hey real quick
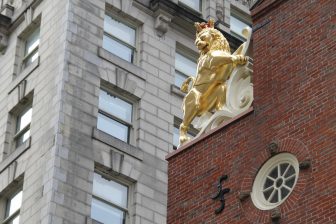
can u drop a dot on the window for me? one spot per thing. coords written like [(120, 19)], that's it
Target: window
[(115, 116), (31, 47), (110, 201), (13, 205), (237, 25), (275, 181), (194, 4), (23, 126), (184, 67), (119, 38)]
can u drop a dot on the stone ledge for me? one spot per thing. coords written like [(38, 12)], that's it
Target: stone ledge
[(15, 154), (24, 74), (121, 63), (205, 135), (117, 144)]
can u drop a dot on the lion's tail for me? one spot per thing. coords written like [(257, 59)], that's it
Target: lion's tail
[(185, 85)]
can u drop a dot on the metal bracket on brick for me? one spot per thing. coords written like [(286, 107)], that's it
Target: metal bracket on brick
[(220, 194)]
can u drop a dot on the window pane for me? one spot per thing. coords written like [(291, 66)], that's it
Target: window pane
[(110, 190), (22, 138), (16, 220), (176, 136), (105, 213), (119, 30), (185, 65), (115, 106), (117, 48), (112, 127), (14, 203), (275, 197), (32, 41), (24, 119), (268, 183), (237, 25), (31, 58), (274, 173), (290, 172), (195, 4)]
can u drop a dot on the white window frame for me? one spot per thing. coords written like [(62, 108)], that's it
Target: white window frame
[(9, 218), (28, 55), (130, 189), (258, 189), (188, 54), (130, 125), (19, 133), (128, 23)]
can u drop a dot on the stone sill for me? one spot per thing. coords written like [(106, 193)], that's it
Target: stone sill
[(15, 154), (121, 63), (24, 74), (205, 135), (117, 144)]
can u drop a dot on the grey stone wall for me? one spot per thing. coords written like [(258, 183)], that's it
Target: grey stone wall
[(65, 147)]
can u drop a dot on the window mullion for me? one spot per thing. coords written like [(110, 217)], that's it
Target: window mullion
[(119, 40), (111, 203), (11, 217), (22, 131), (111, 116), (31, 53)]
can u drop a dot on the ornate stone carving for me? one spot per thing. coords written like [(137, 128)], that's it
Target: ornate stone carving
[(161, 24), (222, 88)]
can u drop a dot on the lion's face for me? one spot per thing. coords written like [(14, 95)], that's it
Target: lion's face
[(203, 41), (211, 39)]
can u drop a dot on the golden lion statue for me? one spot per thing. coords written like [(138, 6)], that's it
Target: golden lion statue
[(208, 89)]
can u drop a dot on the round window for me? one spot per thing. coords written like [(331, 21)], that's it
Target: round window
[(275, 181)]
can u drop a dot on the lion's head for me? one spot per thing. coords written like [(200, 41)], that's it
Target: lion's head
[(209, 38)]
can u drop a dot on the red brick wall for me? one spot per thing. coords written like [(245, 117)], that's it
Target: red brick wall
[(295, 104)]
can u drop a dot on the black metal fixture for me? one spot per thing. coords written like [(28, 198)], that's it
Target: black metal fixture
[(220, 194)]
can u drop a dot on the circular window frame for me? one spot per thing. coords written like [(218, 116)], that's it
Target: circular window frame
[(257, 194)]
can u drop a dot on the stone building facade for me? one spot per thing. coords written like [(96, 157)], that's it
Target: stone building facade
[(276, 162), (89, 104)]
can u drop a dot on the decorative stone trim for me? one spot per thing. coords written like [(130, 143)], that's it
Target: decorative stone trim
[(15, 154), (125, 65), (161, 24), (24, 75), (118, 145)]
